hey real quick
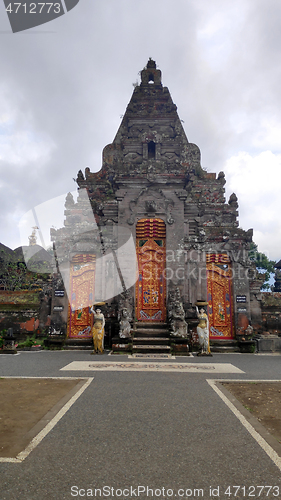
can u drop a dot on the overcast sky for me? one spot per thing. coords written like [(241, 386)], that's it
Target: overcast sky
[(65, 85)]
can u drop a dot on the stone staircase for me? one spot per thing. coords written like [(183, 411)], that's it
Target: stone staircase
[(78, 345), (151, 338), (224, 345)]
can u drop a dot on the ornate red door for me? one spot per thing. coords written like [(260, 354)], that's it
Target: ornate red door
[(219, 289), (151, 284), (82, 283)]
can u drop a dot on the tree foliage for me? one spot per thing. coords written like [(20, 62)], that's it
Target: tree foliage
[(263, 265), (16, 276)]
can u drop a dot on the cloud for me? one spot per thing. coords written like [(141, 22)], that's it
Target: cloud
[(62, 93), (23, 147), (255, 180)]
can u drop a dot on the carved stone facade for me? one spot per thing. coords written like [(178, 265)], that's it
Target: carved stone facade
[(152, 172)]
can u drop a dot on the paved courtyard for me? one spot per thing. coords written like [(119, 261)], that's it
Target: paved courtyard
[(143, 429)]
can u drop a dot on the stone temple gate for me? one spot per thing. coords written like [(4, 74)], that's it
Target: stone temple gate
[(152, 231)]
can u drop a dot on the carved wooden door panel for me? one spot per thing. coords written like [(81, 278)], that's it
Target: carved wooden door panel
[(220, 302), (151, 284), (81, 298)]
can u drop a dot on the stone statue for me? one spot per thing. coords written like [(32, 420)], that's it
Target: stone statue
[(125, 312), (176, 314), (249, 330), (203, 331), (98, 330), (178, 323), (32, 238), (124, 323)]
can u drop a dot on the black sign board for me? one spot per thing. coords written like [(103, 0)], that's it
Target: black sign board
[(241, 299), (59, 293), (58, 308)]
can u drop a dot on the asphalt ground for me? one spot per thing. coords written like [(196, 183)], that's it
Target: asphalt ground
[(169, 432)]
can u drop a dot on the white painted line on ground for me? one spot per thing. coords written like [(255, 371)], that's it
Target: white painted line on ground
[(13, 460), (152, 367), (45, 378), (258, 438), (37, 439)]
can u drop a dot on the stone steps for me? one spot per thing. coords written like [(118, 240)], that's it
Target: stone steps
[(224, 349), (224, 346), (150, 348), (150, 324), (151, 338), (151, 330), (78, 345), (151, 333)]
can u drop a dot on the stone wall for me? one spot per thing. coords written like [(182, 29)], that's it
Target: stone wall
[(271, 313), (26, 311), (269, 335)]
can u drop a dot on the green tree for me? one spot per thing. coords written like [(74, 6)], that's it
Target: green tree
[(16, 276), (263, 265)]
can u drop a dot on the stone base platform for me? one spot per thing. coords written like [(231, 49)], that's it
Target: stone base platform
[(224, 345), (269, 343)]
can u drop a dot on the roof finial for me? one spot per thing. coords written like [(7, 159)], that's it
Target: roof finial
[(151, 75), (151, 63), (32, 238)]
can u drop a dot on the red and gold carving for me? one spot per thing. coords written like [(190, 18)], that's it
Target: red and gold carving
[(151, 284), (81, 298), (219, 289), (218, 258), (151, 228)]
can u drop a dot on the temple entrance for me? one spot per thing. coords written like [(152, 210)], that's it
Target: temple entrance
[(151, 284), (81, 297), (219, 290)]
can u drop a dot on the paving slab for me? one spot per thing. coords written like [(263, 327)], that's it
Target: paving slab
[(152, 367), (169, 432)]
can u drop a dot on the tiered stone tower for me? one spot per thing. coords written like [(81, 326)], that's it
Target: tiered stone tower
[(153, 191)]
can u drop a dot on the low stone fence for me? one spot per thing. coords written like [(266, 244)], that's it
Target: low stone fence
[(23, 311), (271, 312), (270, 339)]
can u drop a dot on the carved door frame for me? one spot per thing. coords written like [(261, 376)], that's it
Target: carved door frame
[(81, 297), (151, 282), (220, 296)]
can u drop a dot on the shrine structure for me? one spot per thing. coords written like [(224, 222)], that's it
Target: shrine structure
[(151, 234)]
